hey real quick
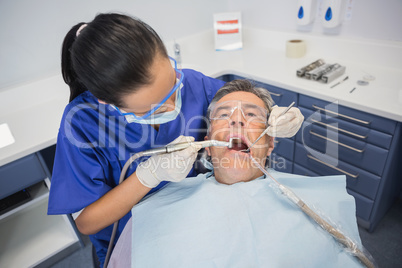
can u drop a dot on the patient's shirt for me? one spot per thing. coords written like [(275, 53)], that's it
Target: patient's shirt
[(202, 223)]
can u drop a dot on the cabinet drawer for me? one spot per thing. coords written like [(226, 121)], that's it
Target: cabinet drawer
[(357, 153), (284, 147), (280, 163), (299, 170), (363, 204), (348, 114), (349, 129), (357, 179), (227, 77), (280, 96), (20, 174)]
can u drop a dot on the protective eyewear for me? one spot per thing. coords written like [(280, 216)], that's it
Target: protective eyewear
[(179, 81), (251, 113)]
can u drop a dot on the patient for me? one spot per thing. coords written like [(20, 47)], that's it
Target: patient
[(231, 216)]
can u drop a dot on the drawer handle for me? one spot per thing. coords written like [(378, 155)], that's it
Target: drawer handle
[(333, 167), (340, 129), (275, 94), (339, 143), (342, 115)]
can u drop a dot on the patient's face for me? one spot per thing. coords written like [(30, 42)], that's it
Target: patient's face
[(233, 165)]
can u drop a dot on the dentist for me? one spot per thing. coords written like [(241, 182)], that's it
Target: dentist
[(127, 95)]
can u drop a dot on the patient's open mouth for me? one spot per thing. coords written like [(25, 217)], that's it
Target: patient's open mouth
[(238, 143)]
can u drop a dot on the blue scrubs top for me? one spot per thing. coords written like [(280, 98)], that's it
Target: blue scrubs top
[(94, 142)]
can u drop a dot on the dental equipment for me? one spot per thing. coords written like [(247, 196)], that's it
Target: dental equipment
[(266, 130), (333, 72), (335, 233), (301, 72), (340, 82), (316, 73), (165, 149), (180, 146)]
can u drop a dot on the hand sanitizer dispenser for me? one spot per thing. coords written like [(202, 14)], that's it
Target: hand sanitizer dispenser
[(333, 13), (306, 11)]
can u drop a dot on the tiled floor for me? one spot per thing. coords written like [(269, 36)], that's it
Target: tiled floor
[(384, 244)]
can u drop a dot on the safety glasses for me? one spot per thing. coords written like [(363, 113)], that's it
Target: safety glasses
[(251, 112), (179, 81)]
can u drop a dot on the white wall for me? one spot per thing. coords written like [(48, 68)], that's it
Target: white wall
[(371, 19), (31, 32)]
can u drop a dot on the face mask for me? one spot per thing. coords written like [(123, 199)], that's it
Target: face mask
[(157, 119)]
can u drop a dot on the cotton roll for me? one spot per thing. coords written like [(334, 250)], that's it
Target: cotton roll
[(295, 48)]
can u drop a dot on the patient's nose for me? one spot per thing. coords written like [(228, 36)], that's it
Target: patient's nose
[(237, 118), (234, 123)]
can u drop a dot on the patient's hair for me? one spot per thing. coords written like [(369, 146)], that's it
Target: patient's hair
[(242, 85)]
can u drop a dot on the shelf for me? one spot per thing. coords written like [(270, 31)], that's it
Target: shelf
[(29, 236), (38, 192)]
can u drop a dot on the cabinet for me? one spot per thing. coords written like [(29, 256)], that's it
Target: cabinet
[(364, 147), (29, 237), (338, 140)]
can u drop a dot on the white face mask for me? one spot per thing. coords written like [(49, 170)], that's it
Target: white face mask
[(157, 119)]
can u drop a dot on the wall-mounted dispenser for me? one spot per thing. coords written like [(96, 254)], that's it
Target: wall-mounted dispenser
[(306, 11), (333, 13)]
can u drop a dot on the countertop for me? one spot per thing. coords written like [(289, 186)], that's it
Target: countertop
[(33, 110)]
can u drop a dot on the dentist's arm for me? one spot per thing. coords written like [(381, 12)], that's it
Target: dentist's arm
[(119, 201), (112, 206)]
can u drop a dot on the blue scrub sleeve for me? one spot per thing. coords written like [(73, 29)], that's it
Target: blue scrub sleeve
[(202, 84), (214, 86), (78, 178)]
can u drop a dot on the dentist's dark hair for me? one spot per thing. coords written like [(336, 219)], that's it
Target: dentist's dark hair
[(111, 57)]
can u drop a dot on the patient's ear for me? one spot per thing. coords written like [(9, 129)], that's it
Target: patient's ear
[(207, 148), (271, 145)]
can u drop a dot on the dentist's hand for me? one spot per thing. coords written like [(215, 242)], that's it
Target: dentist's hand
[(284, 126), (168, 167)]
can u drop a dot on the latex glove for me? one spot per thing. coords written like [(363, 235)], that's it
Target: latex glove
[(284, 126), (168, 167)]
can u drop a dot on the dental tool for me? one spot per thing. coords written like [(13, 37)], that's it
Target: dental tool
[(165, 149), (173, 148), (266, 130), (183, 145), (365, 259), (340, 82)]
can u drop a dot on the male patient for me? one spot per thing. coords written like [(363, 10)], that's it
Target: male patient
[(232, 217)]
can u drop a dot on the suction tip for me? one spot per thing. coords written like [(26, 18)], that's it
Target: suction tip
[(231, 142)]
